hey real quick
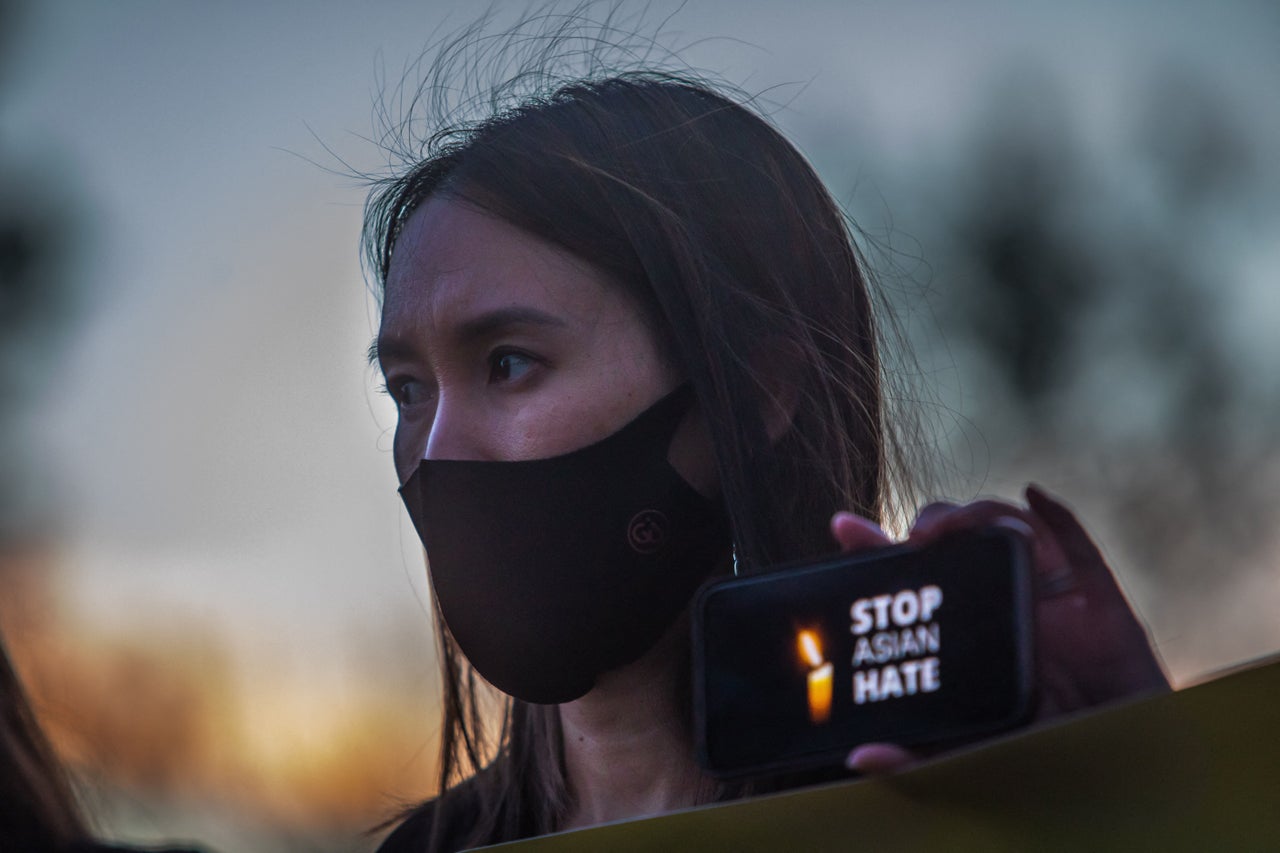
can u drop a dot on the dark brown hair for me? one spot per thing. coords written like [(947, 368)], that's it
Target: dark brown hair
[(748, 274), (38, 810)]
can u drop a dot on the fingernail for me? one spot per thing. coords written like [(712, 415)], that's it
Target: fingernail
[(856, 758), (1017, 525), (861, 521), (877, 758)]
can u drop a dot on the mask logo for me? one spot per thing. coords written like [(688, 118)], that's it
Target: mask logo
[(647, 531), (820, 673)]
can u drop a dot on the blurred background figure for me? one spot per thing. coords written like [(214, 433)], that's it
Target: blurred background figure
[(38, 810), (206, 581)]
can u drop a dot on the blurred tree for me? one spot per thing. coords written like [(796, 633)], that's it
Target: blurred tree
[(40, 240), (1090, 283)]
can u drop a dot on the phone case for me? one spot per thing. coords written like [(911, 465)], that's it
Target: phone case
[(794, 666)]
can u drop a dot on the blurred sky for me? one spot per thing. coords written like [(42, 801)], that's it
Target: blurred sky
[(220, 458)]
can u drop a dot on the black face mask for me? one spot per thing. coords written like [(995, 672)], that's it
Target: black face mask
[(550, 572)]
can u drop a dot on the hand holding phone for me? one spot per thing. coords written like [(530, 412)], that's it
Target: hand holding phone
[(909, 645), (1091, 648)]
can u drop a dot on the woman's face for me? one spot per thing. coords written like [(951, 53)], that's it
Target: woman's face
[(498, 346)]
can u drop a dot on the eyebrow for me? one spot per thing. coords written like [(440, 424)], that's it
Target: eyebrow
[(474, 328)]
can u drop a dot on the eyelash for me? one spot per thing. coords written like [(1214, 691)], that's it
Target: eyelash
[(394, 388)]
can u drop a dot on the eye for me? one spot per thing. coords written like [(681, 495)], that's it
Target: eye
[(407, 393), (508, 365)]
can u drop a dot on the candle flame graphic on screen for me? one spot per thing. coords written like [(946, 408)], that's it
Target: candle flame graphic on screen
[(819, 676), (810, 649)]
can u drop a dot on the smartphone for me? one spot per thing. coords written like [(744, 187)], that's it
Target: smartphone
[(909, 645)]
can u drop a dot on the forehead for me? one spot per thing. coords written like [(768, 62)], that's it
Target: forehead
[(452, 260)]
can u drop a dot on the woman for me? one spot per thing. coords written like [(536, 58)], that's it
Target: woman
[(630, 305)]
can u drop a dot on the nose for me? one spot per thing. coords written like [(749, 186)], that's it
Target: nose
[(444, 433), (450, 436)]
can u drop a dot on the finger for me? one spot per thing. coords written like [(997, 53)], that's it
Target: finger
[(930, 515), (874, 759), (1063, 522), (1086, 561), (1133, 665), (1053, 576), (855, 533), (1072, 546), (948, 518), (1017, 525)]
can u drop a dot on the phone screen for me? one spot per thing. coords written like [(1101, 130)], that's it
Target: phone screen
[(795, 666)]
